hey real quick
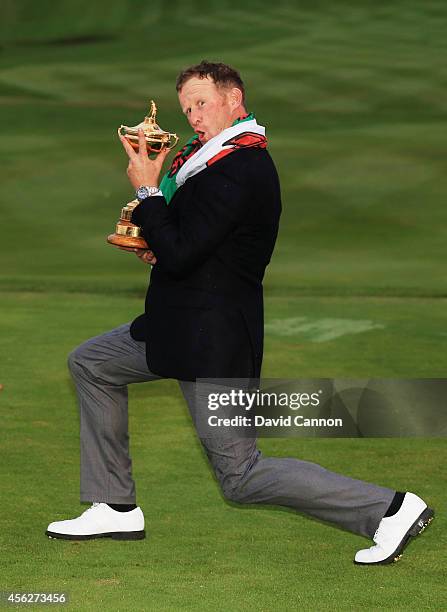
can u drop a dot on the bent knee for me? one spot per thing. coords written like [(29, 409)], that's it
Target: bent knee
[(235, 477), (233, 489), (235, 493)]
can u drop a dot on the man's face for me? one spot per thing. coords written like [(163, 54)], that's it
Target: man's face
[(207, 108)]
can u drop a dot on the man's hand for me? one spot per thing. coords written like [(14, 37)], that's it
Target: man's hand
[(145, 255), (141, 169)]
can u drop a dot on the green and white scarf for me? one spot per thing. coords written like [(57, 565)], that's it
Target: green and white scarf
[(195, 157)]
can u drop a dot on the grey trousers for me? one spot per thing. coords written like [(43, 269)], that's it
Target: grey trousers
[(102, 368)]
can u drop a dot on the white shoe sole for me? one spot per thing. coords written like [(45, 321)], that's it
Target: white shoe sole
[(115, 535), (420, 524)]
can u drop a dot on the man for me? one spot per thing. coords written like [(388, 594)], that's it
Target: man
[(211, 227)]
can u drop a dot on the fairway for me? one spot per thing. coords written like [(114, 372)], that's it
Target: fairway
[(353, 99)]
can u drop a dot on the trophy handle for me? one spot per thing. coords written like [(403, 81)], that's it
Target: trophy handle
[(175, 138)]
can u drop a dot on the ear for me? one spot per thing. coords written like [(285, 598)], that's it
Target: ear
[(235, 97)]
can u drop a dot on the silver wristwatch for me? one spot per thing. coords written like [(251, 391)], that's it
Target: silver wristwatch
[(144, 192)]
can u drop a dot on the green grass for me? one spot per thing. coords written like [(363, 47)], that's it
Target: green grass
[(203, 552), (352, 94)]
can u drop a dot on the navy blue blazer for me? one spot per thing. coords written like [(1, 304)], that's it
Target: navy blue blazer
[(204, 305)]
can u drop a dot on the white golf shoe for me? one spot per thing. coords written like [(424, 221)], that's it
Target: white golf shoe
[(100, 521), (395, 531)]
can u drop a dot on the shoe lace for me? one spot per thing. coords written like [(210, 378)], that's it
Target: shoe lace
[(382, 533)]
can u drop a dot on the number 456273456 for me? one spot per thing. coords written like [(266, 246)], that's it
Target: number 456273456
[(25, 598)]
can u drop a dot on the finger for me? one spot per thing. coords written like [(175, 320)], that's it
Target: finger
[(142, 143), (143, 259), (163, 155), (127, 147), (149, 257), (158, 161)]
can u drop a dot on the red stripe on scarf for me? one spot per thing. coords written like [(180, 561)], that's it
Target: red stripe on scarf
[(244, 140)]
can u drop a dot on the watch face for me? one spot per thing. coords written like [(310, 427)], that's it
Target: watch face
[(142, 193)]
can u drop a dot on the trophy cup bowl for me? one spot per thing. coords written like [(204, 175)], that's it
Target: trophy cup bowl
[(127, 235)]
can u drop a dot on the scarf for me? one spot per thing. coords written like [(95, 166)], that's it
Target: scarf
[(195, 157)]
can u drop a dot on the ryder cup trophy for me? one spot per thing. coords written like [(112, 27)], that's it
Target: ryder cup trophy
[(126, 233)]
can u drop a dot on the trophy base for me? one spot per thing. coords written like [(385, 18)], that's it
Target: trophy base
[(127, 235), (130, 242)]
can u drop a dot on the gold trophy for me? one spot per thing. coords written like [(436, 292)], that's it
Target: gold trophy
[(126, 233)]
